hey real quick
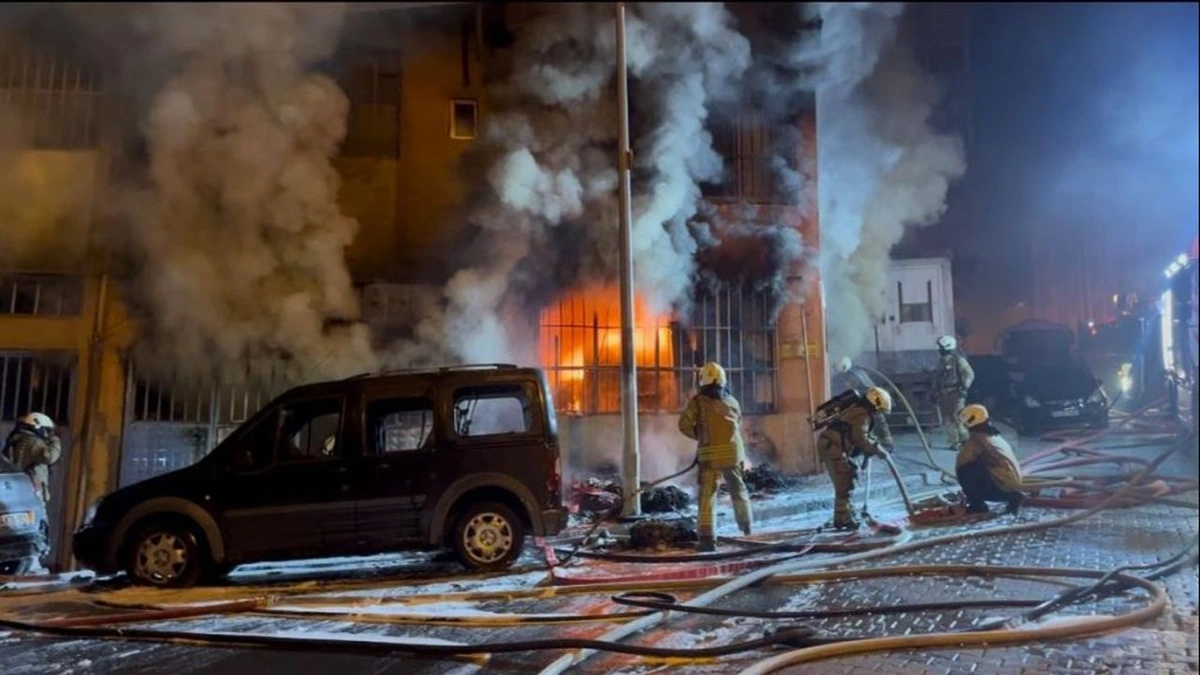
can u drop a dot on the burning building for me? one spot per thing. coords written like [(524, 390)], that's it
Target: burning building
[(247, 198)]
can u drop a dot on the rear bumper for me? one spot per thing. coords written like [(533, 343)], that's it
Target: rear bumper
[(553, 521), (21, 546)]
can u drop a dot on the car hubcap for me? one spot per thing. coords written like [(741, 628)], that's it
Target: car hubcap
[(162, 557), (488, 537)]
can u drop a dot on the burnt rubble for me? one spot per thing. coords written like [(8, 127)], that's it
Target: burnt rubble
[(765, 479), (601, 496), (660, 534)]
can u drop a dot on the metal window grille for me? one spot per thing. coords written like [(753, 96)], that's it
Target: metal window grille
[(29, 384), (58, 100), (372, 83), (40, 295), (168, 429), (751, 149), (581, 352)]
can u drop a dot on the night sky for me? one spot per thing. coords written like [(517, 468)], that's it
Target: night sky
[(1082, 170)]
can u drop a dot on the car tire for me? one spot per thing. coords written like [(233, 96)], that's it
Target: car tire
[(166, 554), (488, 536)]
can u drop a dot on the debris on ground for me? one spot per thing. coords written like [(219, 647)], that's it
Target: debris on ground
[(661, 534), (766, 479), (594, 496), (665, 499)]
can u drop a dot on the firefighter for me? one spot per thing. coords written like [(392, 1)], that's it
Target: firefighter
[(34, 448), (951, 382), (986, 467), (860, 431), (846, 376), (713, 419)]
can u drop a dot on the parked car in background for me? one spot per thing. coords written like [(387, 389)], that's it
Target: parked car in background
[(1037, 383), (24, 527), (463, 458)]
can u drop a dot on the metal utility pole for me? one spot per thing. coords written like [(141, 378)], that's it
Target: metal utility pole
[(631, 455)]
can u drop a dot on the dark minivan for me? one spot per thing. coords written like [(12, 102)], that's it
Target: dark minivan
[(465, 458)]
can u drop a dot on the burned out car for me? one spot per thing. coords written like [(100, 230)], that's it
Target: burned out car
[(463, 458), (1038, 383), (24, 528)]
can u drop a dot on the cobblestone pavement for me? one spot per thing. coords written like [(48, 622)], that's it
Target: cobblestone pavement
[(1167, 646)]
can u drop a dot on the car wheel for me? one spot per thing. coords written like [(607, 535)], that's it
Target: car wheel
[(488, 536), (166, 555)]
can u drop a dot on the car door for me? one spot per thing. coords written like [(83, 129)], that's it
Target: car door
[(396, 467), (287, 492)]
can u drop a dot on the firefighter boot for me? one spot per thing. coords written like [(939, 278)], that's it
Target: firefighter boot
[(706, 545)]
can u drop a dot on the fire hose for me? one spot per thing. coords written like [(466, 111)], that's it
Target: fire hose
[(739, 583), (600, 518), (933, 464)]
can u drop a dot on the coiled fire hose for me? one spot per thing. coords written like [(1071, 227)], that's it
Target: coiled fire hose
[(562, 664)]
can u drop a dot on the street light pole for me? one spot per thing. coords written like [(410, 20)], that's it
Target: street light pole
[(631, 455)]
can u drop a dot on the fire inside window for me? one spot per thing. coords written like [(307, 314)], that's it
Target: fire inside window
[(580, 348)]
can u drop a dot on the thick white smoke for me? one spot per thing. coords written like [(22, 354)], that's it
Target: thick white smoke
[(239, 237), (883, 168), (550, 213)]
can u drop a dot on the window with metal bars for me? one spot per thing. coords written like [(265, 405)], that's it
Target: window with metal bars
[(224, 406), (372, 83), (580, 349), (55, 99), (755, 155), (30, 384), (40, 295)]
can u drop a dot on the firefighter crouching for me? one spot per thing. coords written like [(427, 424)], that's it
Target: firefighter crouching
[(986, 467), (859, 431), (34, 447), (951, 382), (713, 419)]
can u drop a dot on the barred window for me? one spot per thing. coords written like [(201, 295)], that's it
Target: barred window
[(734, 326), (580, 348), (30, 384), (40, 295), (372, 83), (168, 428), (753, 151), (55, 99)]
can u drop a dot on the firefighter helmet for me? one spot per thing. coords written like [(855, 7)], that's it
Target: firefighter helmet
[(844, 365), (947, 343), (712, 373), (880, 399), (973, 415), (38, 421)]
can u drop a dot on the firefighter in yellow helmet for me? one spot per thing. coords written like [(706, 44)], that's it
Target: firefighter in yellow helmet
[(713, 419), (951, 381), (861, 431), (986, 467), (34, 448)]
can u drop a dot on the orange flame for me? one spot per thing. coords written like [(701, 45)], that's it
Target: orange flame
[(580, 346)]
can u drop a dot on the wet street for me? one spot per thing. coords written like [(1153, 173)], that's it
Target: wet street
[(352, 617)]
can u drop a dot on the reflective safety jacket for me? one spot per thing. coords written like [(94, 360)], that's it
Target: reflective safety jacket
[(858, 431), (996, 454), (713, 419), (954, 374)]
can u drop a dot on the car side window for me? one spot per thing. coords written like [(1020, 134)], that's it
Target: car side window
[(255, 449), (310, 431), (399, 424), (492, 410)]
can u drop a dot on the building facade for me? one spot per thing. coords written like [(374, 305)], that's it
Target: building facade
[(66, 338)]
